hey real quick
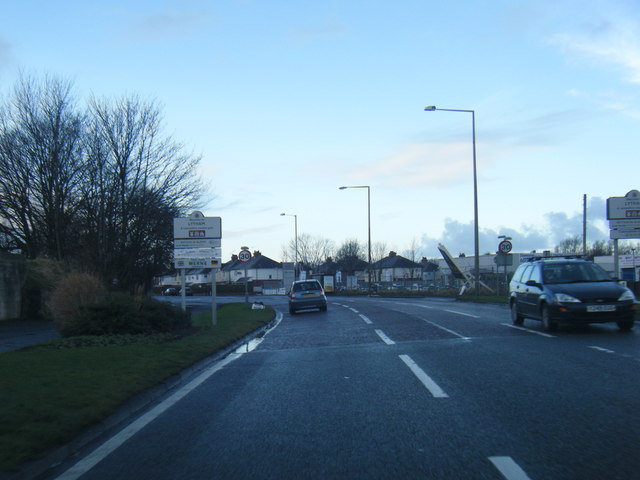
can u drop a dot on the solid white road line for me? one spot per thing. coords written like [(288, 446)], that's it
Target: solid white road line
[(542, 334), (432, 386), (366, 319), (509, 469), (99, 454), (463, 313), (88, 462), (446, 329), (384, 338), (600, 349)]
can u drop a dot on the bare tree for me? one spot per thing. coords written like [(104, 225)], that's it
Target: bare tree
[(412, 254), (100, 187), (379, 250), (41, 167), (312, 250), (141, 181), (570, 245), (350, 256)]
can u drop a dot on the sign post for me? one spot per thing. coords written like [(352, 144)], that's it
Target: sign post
[(504, 247), (623, 214), (197, 241), (244, 256)]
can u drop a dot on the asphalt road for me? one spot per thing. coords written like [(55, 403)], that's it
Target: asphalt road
[(397, 389)]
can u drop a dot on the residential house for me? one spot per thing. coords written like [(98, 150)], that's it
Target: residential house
[(396, 268), (261, 271)]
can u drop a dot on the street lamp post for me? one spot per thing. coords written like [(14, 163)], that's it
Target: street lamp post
[(369, 224), (432, 108), (295, 266)]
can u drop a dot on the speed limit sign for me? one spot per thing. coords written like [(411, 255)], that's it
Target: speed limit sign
[(505, 246), (244, 256)]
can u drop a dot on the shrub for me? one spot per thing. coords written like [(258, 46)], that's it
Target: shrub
[(76, 291), (121, 314), (43, 275)]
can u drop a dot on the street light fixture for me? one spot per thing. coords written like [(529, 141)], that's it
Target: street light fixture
[(295, 217), (369, 224), (476, 241)]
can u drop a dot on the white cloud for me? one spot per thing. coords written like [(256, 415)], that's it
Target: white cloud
[(459, 237), (419, 165), (613, 42)]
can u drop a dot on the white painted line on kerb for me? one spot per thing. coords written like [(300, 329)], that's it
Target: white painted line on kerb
[(463, 313), (600, 349), (509, 469), (384, 338), (446, 329), (366, 319), (542, 334), (432, 386)]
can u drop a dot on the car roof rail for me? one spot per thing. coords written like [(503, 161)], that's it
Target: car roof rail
[(578, 256)]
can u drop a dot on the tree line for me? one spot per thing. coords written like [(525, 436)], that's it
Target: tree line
[(96, 186)]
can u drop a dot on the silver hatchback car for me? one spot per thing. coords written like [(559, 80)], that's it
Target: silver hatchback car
[(307, 294)]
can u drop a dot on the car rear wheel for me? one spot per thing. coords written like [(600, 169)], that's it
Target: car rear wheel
[(516, 318), (292, 311), (625, 325), (548, 324)]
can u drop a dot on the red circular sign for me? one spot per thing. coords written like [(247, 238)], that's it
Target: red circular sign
[(244, 256), (505, 246)]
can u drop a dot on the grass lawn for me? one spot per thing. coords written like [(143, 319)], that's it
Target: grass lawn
[(49, 393)]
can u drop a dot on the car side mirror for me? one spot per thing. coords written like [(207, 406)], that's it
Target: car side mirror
[(532, 283)]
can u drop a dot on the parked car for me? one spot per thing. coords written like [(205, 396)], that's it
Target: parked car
[(171, 291), (572, 290), (307, 294), (187, 290)]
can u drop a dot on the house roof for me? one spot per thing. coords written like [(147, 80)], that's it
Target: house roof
[(395, 261), (329, 267), (257, 261)]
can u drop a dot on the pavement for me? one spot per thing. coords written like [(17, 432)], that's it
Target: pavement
[(15, 334)]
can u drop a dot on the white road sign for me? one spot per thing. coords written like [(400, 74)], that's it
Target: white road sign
[(197, 243), (197, 228), (197, 253), (625, 234), (622, 224), (197, 263), (627, 207)]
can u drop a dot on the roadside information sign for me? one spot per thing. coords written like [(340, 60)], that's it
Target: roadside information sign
[(627, 207), (196, 228)]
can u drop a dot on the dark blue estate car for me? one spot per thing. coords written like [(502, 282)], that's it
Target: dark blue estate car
[(558, 290)]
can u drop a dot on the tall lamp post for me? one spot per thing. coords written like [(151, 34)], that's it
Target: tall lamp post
[(432, 108), (295, 217), (369, 224)]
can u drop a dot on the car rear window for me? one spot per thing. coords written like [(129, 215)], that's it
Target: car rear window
[(299, 287), (574, 272)]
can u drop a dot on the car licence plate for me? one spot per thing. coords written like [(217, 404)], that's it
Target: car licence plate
[(601, 308)]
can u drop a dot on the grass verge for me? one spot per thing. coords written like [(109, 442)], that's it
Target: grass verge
[(51, 392)]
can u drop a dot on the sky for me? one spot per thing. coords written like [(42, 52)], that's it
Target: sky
[(286, 101)]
